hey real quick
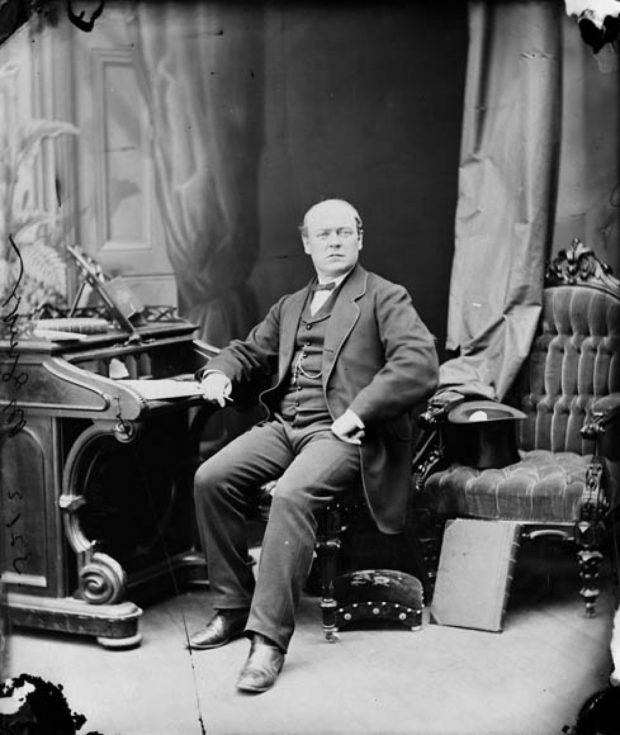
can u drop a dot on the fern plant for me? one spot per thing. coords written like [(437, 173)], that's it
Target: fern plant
[(37, 232)]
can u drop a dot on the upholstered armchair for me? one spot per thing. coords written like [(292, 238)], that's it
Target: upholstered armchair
[(565, 479)]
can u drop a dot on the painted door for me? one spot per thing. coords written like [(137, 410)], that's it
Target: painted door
[(119, 219)]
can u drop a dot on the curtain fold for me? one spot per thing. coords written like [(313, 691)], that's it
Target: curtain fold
[(200, 69), (589, 186), (507, 192)]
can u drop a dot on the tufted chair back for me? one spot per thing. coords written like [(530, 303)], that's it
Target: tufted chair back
[(574, 360)]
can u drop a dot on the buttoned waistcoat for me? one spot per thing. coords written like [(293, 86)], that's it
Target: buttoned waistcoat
[(379, 360)]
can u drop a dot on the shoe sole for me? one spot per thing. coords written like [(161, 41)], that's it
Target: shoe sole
[(259, 690), (256, 690), (210, 646), (252, 690)]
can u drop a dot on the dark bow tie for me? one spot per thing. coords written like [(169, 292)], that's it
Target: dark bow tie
[(324, 286)]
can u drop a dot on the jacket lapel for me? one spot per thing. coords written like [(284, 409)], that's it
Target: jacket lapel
[(290, 315), (343, 318)]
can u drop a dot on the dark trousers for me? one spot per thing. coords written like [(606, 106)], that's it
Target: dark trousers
[(313, 466)]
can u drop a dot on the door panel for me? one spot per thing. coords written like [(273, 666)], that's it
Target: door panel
[(120, 223)]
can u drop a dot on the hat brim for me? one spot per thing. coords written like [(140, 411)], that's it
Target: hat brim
[(483, 412)]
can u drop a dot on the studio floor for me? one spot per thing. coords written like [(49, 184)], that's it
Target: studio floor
[(530, 679)]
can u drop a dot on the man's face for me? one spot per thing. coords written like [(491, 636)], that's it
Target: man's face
[(332, 239)]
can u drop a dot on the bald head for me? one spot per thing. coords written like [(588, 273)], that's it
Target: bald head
[(328, 208)]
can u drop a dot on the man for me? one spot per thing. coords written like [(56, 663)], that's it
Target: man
[(349, 357)]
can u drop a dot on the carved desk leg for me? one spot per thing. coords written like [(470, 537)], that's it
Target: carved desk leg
[(99, 607)]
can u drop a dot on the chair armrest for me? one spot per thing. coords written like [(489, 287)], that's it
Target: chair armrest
[(439, 406), (602, 412), (428, 451)]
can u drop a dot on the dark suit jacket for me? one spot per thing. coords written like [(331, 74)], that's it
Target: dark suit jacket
[(379, 360)]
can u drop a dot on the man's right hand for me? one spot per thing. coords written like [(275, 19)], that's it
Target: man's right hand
[(216, 387)]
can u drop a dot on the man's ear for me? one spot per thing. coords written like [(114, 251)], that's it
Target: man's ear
[(306, 246), (360, 241)]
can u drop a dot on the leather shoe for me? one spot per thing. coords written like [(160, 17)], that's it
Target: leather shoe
[(260, 671), (224, 626)]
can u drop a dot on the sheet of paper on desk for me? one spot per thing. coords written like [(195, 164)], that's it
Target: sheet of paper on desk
[(164, 388), (56, 335)]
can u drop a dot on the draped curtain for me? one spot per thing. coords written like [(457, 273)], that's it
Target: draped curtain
[(540, 165), (589, 182), (507, 191), (200, 70)]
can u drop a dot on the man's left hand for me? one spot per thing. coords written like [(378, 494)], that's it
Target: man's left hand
[(349, 427)]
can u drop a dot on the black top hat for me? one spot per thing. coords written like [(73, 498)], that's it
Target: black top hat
[(482, 434)]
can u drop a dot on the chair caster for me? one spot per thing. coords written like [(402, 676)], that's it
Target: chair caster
[(332, 636)]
